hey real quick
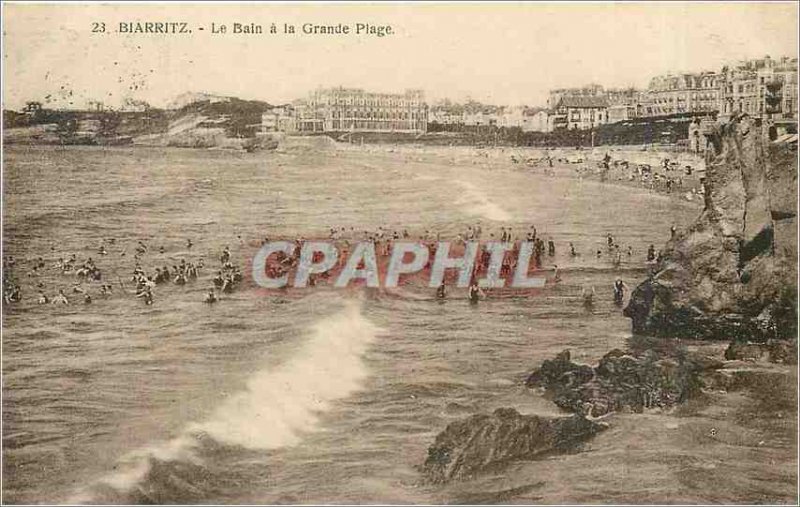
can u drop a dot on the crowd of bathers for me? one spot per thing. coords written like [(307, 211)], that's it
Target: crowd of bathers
[(90, 282), (384, 237), (669, 179), (543, 254)]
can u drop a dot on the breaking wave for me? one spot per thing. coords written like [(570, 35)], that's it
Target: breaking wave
[(278, 406), (479, 203)]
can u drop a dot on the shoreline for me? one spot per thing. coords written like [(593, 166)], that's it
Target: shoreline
[(500, 158), (496, 158)]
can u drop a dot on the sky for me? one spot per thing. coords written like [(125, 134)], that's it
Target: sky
[(509, 54)]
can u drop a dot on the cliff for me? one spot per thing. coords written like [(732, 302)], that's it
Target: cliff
[(732, 274), (197, 121)]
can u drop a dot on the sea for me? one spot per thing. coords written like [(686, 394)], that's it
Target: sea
[(322, 395)]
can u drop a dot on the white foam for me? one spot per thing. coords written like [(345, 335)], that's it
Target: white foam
[(479, 203), (278, 406)]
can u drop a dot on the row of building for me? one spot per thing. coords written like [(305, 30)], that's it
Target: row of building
[(761, 87), (758, 87)]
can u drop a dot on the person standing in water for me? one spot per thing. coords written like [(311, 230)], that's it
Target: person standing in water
[(474, 292), (441, 292), (587, 295), (619, 291)]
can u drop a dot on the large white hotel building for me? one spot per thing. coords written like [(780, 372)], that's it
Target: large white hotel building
[(355, 110)]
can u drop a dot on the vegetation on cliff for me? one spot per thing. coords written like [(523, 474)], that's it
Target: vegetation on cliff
[(205, 122)]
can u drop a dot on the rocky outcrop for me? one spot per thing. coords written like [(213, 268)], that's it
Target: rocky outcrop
[(482, 441), (621, 381), (731, 275)]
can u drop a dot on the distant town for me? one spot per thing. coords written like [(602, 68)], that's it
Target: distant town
[(757, 87), (589, 114)]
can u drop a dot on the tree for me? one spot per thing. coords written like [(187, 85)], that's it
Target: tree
[(33, 110), (131, 104)]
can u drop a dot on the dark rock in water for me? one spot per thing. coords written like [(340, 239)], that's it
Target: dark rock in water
[(731, 275), (560, 369), (622, 381), (480, 442)]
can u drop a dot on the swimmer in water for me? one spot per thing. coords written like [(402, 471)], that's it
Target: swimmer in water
[(475, 293), (588, 296), (61, 299), (146, 295), (651, 253)]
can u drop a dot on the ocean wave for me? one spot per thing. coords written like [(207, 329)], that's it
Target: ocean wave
[(478, 203), (276, 409)]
